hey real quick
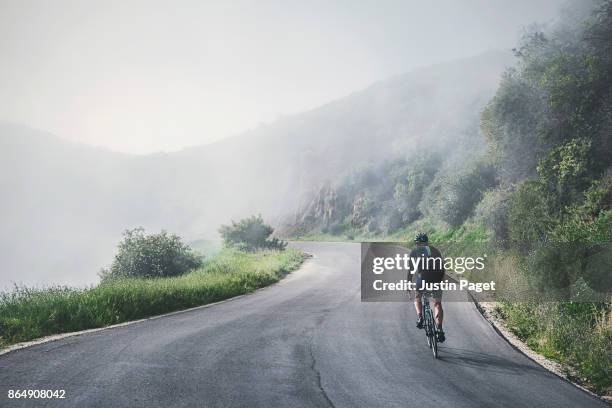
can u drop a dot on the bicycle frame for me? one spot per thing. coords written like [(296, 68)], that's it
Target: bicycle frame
[(429, 324)]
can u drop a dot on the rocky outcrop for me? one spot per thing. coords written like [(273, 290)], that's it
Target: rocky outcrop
[(359, 217), (321, 209)]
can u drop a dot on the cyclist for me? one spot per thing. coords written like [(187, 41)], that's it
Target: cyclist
[(430, 272)]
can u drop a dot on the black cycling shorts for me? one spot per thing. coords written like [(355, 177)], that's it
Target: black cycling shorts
[(437, 294)]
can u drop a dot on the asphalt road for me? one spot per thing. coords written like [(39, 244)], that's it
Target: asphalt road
[(305, 342)]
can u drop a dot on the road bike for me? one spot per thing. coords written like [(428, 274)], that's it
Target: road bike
[(429, 324)]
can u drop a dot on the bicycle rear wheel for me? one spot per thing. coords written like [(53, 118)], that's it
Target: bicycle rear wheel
[(432, 340)]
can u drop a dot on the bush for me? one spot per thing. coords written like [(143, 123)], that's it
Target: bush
[(412, 179), (453, 197), (373, 226), (151, 256), (493, 211), (588, 228), (250, 234), (564, 171), (337, 228), (391, 221), (26, 314), (529, 215), (577, 334), (560, 247), (509, 122)]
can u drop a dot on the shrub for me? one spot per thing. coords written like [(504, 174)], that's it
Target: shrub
[(453, 197), (493, 212), (250, 234), (412, 179), (151, 256), (337, 228), (509, 122), (529, 215), (391, 222), (373, 226), (28, 313), (564, 171), (578, 334), (588, 229)]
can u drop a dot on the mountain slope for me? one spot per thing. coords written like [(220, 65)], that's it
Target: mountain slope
[(65, 204)]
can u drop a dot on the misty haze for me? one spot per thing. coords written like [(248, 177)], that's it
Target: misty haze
[(205, 203), (65, 204)]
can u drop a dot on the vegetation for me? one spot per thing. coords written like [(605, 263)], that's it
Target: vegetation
[(151, 256), (541, 193), (452, 198), (250, 234), (553, 113), (26, 314), (579, 334)]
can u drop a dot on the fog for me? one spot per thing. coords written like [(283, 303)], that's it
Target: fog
[(275, 100), (147, 76)]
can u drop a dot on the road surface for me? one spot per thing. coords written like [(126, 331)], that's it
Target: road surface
[(307, 341)]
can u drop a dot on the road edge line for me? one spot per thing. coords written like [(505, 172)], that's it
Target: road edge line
[(520, 346), (60, 336)]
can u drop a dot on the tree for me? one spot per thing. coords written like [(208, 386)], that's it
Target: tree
[(565, 171), (493, 212), (511, 123), (151, 256), (453, 196), (250, 234), (530, 218), (408, 192)]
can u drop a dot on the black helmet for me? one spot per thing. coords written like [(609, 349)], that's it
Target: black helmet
[(421, 238)]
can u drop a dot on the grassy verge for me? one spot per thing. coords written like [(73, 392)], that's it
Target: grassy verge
[(577, 335), (26, 314), (437, 234)]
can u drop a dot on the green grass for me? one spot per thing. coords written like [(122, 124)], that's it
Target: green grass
[(578, 335), (326, 237), (27, 314), (438, 233)]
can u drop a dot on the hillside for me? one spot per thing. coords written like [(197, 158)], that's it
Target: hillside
[(65, 205), (536, 192)]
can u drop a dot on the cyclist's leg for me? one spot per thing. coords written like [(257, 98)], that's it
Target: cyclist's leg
[(439, 312), (418, 304)]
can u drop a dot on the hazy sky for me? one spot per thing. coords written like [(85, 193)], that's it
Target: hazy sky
[(144, 76)]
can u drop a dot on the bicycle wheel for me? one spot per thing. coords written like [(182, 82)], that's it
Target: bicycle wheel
[(430, 332), (428, 327), (434, 341)]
